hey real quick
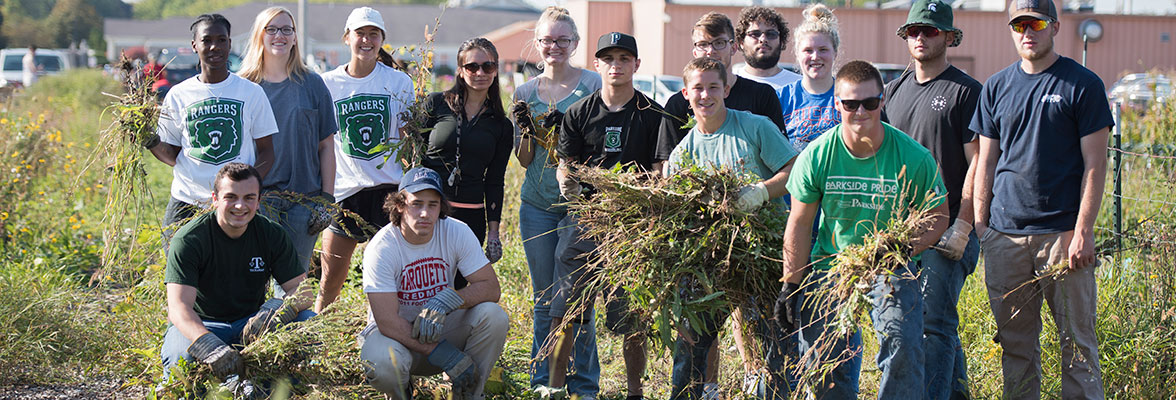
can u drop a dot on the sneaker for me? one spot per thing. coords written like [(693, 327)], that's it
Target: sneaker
[(549, 393), (753, 384), (710, 391)]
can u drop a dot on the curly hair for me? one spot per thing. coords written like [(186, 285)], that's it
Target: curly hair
[(395, 201), (760, 13)]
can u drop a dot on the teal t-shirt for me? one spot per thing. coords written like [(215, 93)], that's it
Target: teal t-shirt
[(230, 275), (858, 195), (745, 142), (539, 186)]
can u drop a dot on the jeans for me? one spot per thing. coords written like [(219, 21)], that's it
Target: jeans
[(175, 344), (942, 279), (293, 218), (173, 218), (540, 234), (897, 314), (690, 359)]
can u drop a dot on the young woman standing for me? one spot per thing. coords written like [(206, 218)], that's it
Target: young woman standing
[(540, 211), (369, 98), (470, 142), (808, 104), (304, 148)]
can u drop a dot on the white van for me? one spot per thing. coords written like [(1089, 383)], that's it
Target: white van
[(52, 62)]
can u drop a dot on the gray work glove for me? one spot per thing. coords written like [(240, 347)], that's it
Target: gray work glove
[(273, 312), (210, 350), (429, 322), (752, 197), (954, 240), (321, 213), (494, 250), (787, 308), (147, 141), (463, 374), (570, 189)]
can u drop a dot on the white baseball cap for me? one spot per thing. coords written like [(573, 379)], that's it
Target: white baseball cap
[(365, 16)]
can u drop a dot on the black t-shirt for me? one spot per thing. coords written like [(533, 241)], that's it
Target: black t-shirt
[(1039, 120), (592, 135), (936, 113), (486, 143), (230, 275), (746, 95)]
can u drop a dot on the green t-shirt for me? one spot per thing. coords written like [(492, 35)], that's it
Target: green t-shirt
[(745, 142), (230, 275), (857, 195)]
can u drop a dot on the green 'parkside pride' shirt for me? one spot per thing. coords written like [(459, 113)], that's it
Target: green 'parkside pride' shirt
[(230, 275), (858, 195)]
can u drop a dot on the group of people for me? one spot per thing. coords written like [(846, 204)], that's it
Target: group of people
[(1014, 167)]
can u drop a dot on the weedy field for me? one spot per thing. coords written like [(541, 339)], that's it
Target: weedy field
[(59, 328)]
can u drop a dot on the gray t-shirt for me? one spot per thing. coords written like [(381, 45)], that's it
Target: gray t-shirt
[(305, 116)]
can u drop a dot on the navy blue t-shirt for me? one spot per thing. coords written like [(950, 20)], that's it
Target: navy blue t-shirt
[(1039, 120)]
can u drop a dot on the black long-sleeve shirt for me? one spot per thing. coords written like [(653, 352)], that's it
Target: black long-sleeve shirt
[(486, 143)]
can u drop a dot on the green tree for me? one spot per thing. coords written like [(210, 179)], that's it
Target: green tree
[(70, 21)]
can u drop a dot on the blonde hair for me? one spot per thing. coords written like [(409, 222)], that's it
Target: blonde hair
[(252, 67), (553, 14), (817, 19)]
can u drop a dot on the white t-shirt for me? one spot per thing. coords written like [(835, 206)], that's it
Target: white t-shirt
[(776, 81), (28, 66), (416, 272), (368, 111), (212, 124)]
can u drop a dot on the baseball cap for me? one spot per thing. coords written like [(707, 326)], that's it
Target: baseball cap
[(934, 13), (1040, 9), (616, 40), (365, 16), (421, 178)]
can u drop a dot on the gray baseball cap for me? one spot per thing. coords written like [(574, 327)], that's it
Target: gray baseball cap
[(421, 178)]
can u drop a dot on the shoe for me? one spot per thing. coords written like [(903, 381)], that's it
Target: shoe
[(710, 391), (753, 384), (549, 393)]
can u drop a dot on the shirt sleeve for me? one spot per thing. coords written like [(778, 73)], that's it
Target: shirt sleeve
[(775, 149), (930, 183), (184, 257), (381, 270), (571, 138), (470, 257), (982, 121), (1093, 109), (770, 107), (406, 96), (263, 123), (670, 130), (968, 111), (326, 109), (802, 182), (496, 172)]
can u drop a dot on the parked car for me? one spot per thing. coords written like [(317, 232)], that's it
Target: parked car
[(182, 63), (658, 87), (52, 62), (1138, 91)]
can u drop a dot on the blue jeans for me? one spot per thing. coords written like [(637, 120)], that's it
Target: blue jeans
[(293, 218), (942, 279), (778, 349), (897, 315), (539, 231), (175, 345)]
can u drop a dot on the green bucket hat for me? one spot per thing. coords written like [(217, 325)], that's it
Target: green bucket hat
[(934, 13)]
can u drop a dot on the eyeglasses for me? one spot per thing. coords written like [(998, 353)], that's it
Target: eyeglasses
[(561, 43), (488, 67), (717, 44), (870, 104), (767, 35), (926, 31), (1037, 25), (273, 30)]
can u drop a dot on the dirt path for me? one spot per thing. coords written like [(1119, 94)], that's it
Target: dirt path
[(97, 390)]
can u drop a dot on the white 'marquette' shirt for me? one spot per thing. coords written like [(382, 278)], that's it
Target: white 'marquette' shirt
[(212, 124), (416, 272), (369, 111)]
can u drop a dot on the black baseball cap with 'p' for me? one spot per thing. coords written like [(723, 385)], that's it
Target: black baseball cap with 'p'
[(616, 40)]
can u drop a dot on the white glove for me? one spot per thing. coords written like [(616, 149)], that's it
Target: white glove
[(954, 240), (569, 189), (752, 196)]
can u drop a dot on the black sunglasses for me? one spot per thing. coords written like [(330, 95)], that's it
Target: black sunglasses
[(488, 67), (870, 104), (767, 35)]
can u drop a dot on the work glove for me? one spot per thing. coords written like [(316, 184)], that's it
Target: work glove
[(954, 240), (751, 197), (321, 213), (570, 189), (494, 249), (148, 141), (552, 118), (521, 112), (273, 312), (210, 350), (787, 308), (429, 322), (463, 374)]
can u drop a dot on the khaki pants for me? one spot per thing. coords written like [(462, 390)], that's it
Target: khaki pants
[(479, 331), (1009, 262)]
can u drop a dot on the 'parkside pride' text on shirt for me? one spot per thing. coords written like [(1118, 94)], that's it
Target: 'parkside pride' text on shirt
[(212, 124)]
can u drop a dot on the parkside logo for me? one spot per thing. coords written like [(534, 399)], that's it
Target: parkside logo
[(364, 122), (931, 7), (256, 264), (214, 130), (1051, 98)]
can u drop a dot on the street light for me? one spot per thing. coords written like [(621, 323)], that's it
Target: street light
[(1091, 31)]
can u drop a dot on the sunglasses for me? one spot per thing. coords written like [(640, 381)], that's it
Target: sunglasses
[(1037, 25), (488, 67), (870, 104), (926, 31), (767, 35)]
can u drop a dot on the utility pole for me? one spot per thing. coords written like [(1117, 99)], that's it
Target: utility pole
[(302, 31)]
